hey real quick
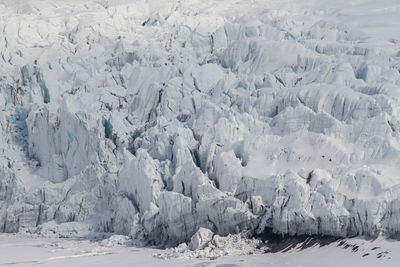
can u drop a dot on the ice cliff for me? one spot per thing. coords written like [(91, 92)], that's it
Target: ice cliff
[(156, 118)]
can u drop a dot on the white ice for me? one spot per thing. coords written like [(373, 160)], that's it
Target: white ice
[(153, 119)]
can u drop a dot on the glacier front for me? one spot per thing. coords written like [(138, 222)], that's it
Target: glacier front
[(154, 119)]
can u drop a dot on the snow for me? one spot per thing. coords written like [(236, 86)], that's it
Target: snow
[(117, 251), (154, 119)]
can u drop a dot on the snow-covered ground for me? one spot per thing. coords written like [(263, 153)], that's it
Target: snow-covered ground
[(23, 251), (155, 118)]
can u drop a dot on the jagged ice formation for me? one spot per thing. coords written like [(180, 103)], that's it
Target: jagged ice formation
[(155, 118)]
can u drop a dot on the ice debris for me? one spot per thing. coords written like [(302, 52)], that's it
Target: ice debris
[(204, 244)]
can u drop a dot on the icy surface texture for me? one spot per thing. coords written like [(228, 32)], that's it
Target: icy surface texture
[(201, 239), (204, 244), (155, 118)]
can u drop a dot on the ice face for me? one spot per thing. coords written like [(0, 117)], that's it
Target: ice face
[(155, 119)]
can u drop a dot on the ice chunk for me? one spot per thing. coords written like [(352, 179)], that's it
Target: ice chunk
[(201, 239)]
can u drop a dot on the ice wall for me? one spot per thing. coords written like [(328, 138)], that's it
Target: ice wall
[(155, 119)]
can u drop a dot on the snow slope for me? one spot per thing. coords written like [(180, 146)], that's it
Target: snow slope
[(155, 118)]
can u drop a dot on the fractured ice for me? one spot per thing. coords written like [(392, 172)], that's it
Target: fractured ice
[(155, 119)]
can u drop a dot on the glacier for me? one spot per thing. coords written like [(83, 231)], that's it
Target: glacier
[(155, 119)]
